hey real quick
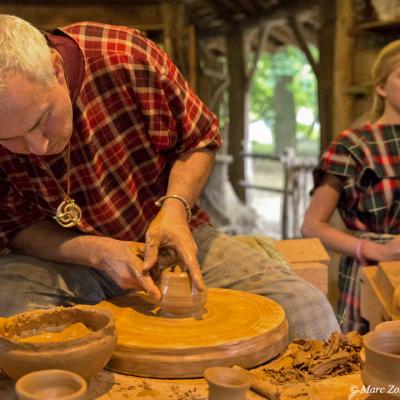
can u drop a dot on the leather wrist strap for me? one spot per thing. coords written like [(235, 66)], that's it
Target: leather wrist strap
[(188, 209)]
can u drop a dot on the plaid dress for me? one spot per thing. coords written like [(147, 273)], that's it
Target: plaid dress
[(369, 160), (133, 115)]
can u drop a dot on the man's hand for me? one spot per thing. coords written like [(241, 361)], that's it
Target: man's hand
[(170, 230), (123, 262)]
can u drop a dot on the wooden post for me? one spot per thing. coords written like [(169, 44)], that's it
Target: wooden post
[(238, 106), (192, 55), (343, 67), (327, 14)]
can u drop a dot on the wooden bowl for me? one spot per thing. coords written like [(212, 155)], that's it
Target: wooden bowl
[(51, 383), (86, 356)]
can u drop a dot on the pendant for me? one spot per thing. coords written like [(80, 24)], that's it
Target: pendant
[(68, 213)]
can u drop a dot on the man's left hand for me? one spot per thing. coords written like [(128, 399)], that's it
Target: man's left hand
[(170, 230)]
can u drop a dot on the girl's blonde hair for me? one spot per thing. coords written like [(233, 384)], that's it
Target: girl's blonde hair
[(24, 50), (388, 59)]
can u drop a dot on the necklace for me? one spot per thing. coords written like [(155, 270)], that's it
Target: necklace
[(68, 213)]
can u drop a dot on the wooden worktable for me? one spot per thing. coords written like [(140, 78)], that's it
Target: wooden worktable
[(112, 386)]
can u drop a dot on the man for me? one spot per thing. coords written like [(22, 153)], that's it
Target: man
[(103, 143)]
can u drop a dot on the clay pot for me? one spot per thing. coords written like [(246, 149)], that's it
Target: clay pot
[(179, 297), (380, 361), (388, 325), (85, 356), (227, 383), (55, 384)]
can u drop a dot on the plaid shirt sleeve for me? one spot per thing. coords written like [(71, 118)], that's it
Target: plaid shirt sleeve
[(195, 126), (174, 117), (177, 120), (337, 159)]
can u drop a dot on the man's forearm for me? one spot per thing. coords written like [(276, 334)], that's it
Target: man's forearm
[(117, 258), (190, 173), (47, 240)]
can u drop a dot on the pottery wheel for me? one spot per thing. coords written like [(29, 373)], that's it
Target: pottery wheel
[(236, 328)]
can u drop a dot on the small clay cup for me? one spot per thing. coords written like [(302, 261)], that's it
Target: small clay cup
[(55, 384), (86, 356), (179, 297), (388, 325), (380, 362), (226, 383)]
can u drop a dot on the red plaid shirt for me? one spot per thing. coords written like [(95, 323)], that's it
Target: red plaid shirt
[(134, 115), (368, 159)]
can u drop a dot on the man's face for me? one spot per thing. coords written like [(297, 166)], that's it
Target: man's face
[(35, 119)]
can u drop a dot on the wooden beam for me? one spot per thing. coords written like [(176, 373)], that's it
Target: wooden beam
[(96, 2), (282, 11), (246, 7), (218, 93), (282, 34), (220, 89), (222, 11), (303, 44), (262, 33), (49, 16)]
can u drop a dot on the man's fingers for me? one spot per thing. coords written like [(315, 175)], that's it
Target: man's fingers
[(191, 264), (146, 282), (137, 249), (155, 274), (150, 254), (150, 287)]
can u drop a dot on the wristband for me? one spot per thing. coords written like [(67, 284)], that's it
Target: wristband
[(188, 209), (359, 256)]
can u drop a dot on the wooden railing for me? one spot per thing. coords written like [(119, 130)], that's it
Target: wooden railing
[(297, 181)]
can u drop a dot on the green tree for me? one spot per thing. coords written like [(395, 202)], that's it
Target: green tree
[(272, 69)]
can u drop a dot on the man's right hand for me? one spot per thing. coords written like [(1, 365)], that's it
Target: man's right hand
[(123, 263), (120, 259)]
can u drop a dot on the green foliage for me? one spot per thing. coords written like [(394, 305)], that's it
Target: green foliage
[(289, 61), (305, 148), (262, 148)]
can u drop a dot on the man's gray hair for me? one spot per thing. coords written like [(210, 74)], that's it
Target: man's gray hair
[(24, 50)]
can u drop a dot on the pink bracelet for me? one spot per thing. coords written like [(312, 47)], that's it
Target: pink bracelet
[(359, 256)]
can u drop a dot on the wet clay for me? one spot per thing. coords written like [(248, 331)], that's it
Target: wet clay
[(74, 331), (180, 298)]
